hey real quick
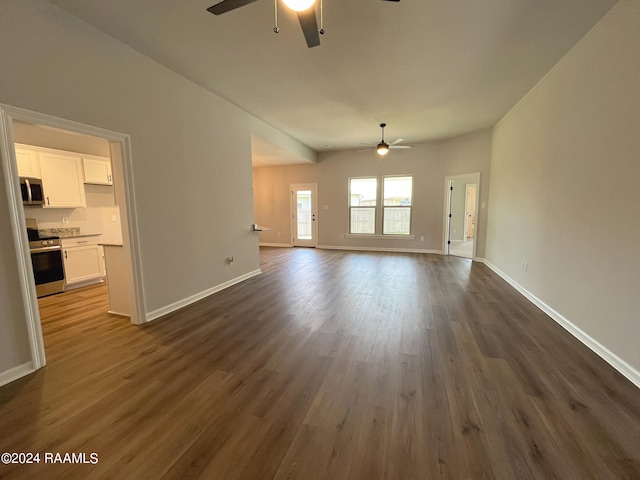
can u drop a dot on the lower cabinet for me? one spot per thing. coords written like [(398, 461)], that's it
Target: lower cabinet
[(82, 259)]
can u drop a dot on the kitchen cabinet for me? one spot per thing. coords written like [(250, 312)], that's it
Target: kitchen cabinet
[(97, 170), (62, 180), (28, 162), (82, 259)]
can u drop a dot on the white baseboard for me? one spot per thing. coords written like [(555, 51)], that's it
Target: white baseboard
[(283, 245), (86, 283), (378, 249), (160, 312), (607, 355), (16, 372)]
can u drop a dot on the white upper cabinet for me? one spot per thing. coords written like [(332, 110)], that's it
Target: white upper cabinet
[(97, 170), (62, 179), (63, 173), (28, 162)]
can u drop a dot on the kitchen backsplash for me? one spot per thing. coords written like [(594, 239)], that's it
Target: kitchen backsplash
[(98, 217), (59, 232)]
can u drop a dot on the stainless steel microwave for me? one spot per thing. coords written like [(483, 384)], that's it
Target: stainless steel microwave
[(32, 192)]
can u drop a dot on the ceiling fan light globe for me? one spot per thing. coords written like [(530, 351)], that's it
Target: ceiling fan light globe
[(299, 5), (382, 148)]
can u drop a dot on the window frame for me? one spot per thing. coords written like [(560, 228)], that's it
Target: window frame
[(384, 207), (374, 207)]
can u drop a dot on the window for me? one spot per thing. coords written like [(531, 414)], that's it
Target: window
[(396, 210), (363, 196), (397, 192)]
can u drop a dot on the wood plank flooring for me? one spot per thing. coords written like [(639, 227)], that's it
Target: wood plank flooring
[(329, 365)]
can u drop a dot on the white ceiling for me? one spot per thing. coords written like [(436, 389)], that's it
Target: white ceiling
[(430, 69)]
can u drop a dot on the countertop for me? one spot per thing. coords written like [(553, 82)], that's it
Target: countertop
[(78, 235)]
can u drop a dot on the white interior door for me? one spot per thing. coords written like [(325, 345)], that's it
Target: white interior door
[(470, 211), (304, 214)]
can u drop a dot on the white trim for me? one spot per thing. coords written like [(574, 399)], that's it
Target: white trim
[(16, 372), (86, 283), (379, 249), (20, 241), (607, 355), (283, 245), (377, 236), (198, 296), (8, 162), (132, 225)]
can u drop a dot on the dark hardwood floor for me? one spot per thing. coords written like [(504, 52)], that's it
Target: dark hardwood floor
[(330, 365)]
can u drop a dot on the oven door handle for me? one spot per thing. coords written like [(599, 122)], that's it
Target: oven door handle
[(45, 249)]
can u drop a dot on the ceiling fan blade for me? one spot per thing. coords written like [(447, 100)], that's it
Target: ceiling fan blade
[(309, 27), (228, 5), (400, 146), (397, 140)]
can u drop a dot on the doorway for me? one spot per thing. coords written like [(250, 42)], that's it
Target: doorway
[(304, 213), (460, 215), (119, 147)]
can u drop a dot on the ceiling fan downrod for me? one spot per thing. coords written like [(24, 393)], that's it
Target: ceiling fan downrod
[(383, 147), (275, 11)]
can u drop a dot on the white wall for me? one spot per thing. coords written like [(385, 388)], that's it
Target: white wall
[(191, 154), (564, 186), (59, 139), (428, 163)]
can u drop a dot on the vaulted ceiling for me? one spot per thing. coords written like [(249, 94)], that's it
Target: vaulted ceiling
[(430, 69)]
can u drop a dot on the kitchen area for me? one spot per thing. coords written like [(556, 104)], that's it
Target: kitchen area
[(72, 213)]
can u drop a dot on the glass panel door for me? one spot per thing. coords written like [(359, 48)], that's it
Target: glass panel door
[(304, 215), (303, 220)]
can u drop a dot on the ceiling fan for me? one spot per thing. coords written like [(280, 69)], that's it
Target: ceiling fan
[(383, 147), (304, 8)]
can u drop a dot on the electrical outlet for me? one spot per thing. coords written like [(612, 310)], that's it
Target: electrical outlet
[(113, 218), (421, 238), (65, 219)]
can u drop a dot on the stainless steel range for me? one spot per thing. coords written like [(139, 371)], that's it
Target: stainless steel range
[(46, 257)]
